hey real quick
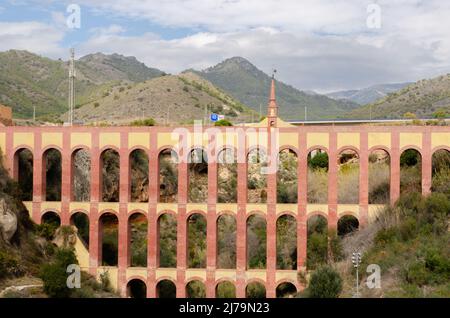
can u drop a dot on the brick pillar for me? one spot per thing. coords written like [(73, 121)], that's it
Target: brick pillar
[(96, 168), (271, 221), (181, 226), (395, 167), (332, 180), (302, 177), (152, 217), (38, 181), (363, 179), (211, 232), (427, 158), (241, 218), (10, 161), (66, 179), (95, 240)]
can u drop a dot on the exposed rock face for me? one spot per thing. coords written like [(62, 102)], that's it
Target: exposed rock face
[(8, 221), (65, 238)]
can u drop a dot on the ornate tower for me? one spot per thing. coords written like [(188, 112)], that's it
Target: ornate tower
[(272, 114)]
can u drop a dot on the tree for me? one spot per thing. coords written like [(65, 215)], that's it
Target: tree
[(223, 122), (325, 283)]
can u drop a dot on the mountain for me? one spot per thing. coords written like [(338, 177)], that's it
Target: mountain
[(422, 98), (176, 98), (28, 80), (369, 94), (242, 80)]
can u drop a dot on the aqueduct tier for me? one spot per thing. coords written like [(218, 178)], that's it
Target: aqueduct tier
[(64, 143)]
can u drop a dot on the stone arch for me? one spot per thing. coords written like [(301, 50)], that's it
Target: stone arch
[(348, 175), (227, 176), (168, 175), (23, 172), (80, 220), (318, 165), (411, 170), (287, 181), (226, 241), (80, 188), (286, 240), (196, 240), (256, 180), (139, 175), (347, 224), (286, 289), (197, 176), (137, 239), (195, 288), (109, 175), (166, 288), (167, 240), (136, 288), (225, 289), (379, 176), (108, 238), (51, 217), (440, 170), (256, 241), (52, 174), (255, 288), (316, 240)]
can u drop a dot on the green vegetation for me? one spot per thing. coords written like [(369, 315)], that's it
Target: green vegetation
[(223, 122), (325, 282)]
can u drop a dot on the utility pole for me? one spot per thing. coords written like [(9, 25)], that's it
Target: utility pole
[(260, 112), (71, 85), (306, 113), (34, 113), (356, 260), (206, 115)]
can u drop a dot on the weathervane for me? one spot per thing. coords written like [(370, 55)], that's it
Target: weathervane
[(273, 73)]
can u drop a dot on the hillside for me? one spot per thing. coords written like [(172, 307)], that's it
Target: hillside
[(422, 98), (27, 79), (178, 98), (242, 80), (369, 94)]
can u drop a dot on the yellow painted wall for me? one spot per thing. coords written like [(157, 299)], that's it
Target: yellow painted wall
[(318, 139), (411, 139), (440, 139), (109, 139), (24, 139), (348, 139), (80, 139), (379, 139), (52, 139), (141, 140)]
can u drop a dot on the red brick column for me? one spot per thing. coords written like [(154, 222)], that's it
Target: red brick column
[(271, 221), (38, 181), (395, 167), (427, 157), (363, 179), (181, 226), (302, 179), (66, 179), (95, 240), (96, 168), (241, 218), (332, 180), (152, 218)]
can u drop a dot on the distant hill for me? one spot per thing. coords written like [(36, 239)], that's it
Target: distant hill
[(369, 94), (176, 98), (422, 98), (27, 79), (242, 80)]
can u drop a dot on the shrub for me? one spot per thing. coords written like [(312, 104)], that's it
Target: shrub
[(9, 265), (143, 122), (325, 283), (96, 104), (320, 160), (46, 230), (223, 122)]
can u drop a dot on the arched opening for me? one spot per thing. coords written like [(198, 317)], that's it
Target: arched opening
[(410, 171), (81, 176), (138, 176), (24, 173), (109, 225), (348, 177), (317, 241), (286, 290), (256, 242), (52, 161), (167, 239), (347, 225), (379, 177), (196, 227), (441, 172), (286, 242), (287, 185), (227, 177), (50, 222), (166, 289), (225, 289), (226, 241), (136, 288), (318, 177), (195, 289), (255, 290), (168, 176), (138, 226), (256, 176), (110, 176), (198, 176), (81, 222)]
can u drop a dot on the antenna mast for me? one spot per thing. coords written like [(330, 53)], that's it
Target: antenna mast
[(72, 76)]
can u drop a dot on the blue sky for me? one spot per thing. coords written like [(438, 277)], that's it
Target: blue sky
[(320, 45)]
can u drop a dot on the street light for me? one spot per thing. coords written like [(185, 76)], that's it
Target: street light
[(356, 260)]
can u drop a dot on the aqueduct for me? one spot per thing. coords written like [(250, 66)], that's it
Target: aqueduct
[(299, 140)]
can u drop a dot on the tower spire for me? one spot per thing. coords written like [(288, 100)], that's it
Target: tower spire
[(272, 107)]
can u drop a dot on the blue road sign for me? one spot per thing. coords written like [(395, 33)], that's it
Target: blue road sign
[(214, 117)]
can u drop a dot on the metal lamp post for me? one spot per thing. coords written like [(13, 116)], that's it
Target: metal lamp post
[(356, 260)]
